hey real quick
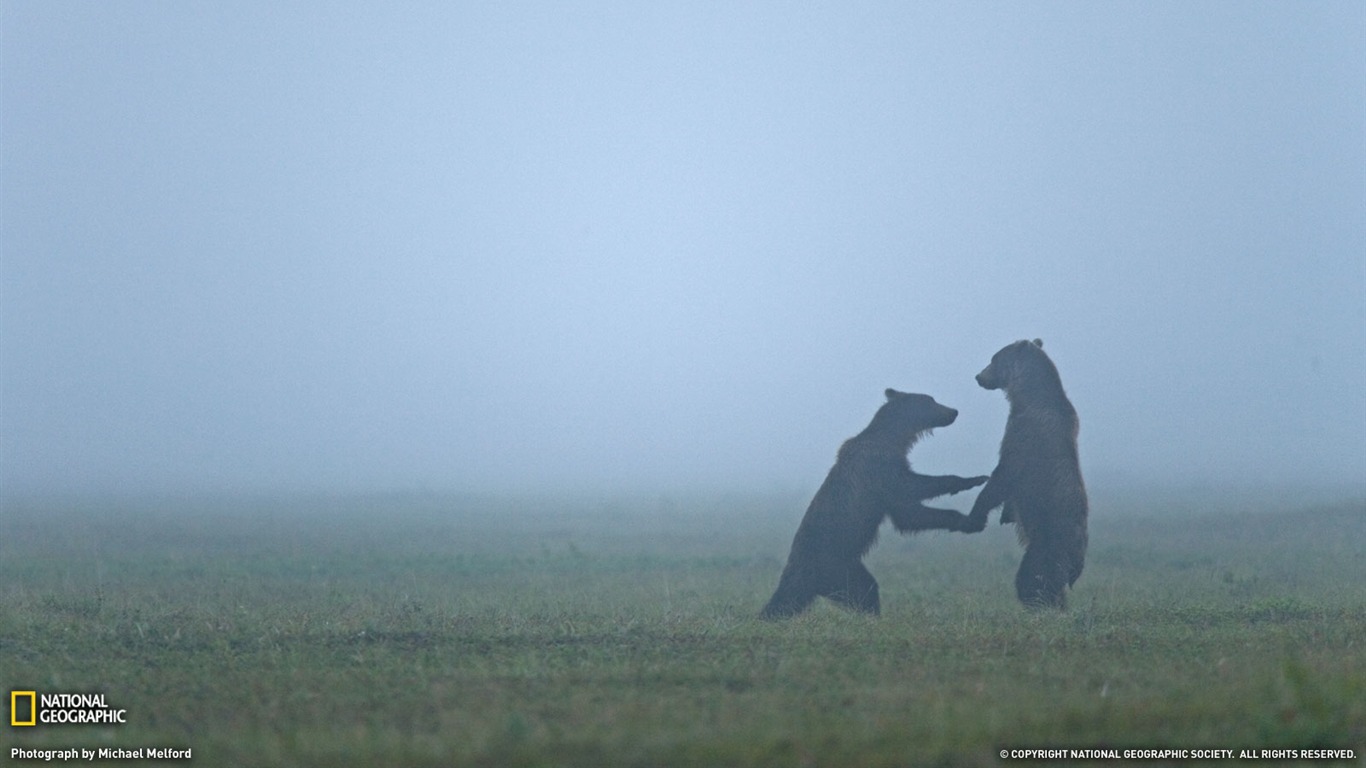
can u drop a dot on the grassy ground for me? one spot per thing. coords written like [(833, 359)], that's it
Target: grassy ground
[(434, 631)]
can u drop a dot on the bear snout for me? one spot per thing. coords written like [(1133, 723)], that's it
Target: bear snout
[(946, 416), (985, 380)]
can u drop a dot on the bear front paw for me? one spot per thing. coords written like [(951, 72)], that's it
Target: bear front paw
[(960, 484)]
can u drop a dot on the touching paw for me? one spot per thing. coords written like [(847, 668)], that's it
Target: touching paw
[(971, 482)]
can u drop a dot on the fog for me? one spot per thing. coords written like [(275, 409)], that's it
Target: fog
[(526, 247)]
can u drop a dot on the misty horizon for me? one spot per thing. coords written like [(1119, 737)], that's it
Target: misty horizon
[(564, 247)]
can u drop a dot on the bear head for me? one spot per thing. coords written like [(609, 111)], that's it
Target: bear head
[(1012, 362), (908, 415)]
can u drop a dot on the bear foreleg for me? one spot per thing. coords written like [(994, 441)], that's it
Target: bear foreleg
[(931, 486), (992, 495), (918, 517)]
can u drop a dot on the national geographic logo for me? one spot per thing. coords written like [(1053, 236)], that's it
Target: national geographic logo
[(33, 708)]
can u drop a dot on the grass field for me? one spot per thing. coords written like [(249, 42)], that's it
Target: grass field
[(420, 630)]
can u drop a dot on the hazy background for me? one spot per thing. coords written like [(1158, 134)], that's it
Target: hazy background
[(540, 247)]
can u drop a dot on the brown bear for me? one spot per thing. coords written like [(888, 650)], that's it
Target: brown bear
[(871, 480), (1038, 477)]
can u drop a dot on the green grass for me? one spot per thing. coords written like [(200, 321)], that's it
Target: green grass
[(446, 631)]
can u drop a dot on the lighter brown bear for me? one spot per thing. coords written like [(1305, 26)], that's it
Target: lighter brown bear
[(1038, 477)]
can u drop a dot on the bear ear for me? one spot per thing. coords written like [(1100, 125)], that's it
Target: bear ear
[(892, 394), (1038, 343)]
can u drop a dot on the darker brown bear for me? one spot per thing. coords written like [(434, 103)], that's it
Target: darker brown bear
[(871, 479), (1038, 477)]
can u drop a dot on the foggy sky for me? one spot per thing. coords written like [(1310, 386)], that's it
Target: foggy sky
[(533, 246)]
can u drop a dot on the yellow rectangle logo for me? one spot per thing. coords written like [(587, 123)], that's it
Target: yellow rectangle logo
[(14, 697)]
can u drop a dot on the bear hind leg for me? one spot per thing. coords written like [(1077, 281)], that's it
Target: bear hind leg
[(854, 587), (794, 594), (1042, 579)]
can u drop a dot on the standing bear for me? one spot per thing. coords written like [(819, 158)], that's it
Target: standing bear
[(871, 480), (1038, 477)]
